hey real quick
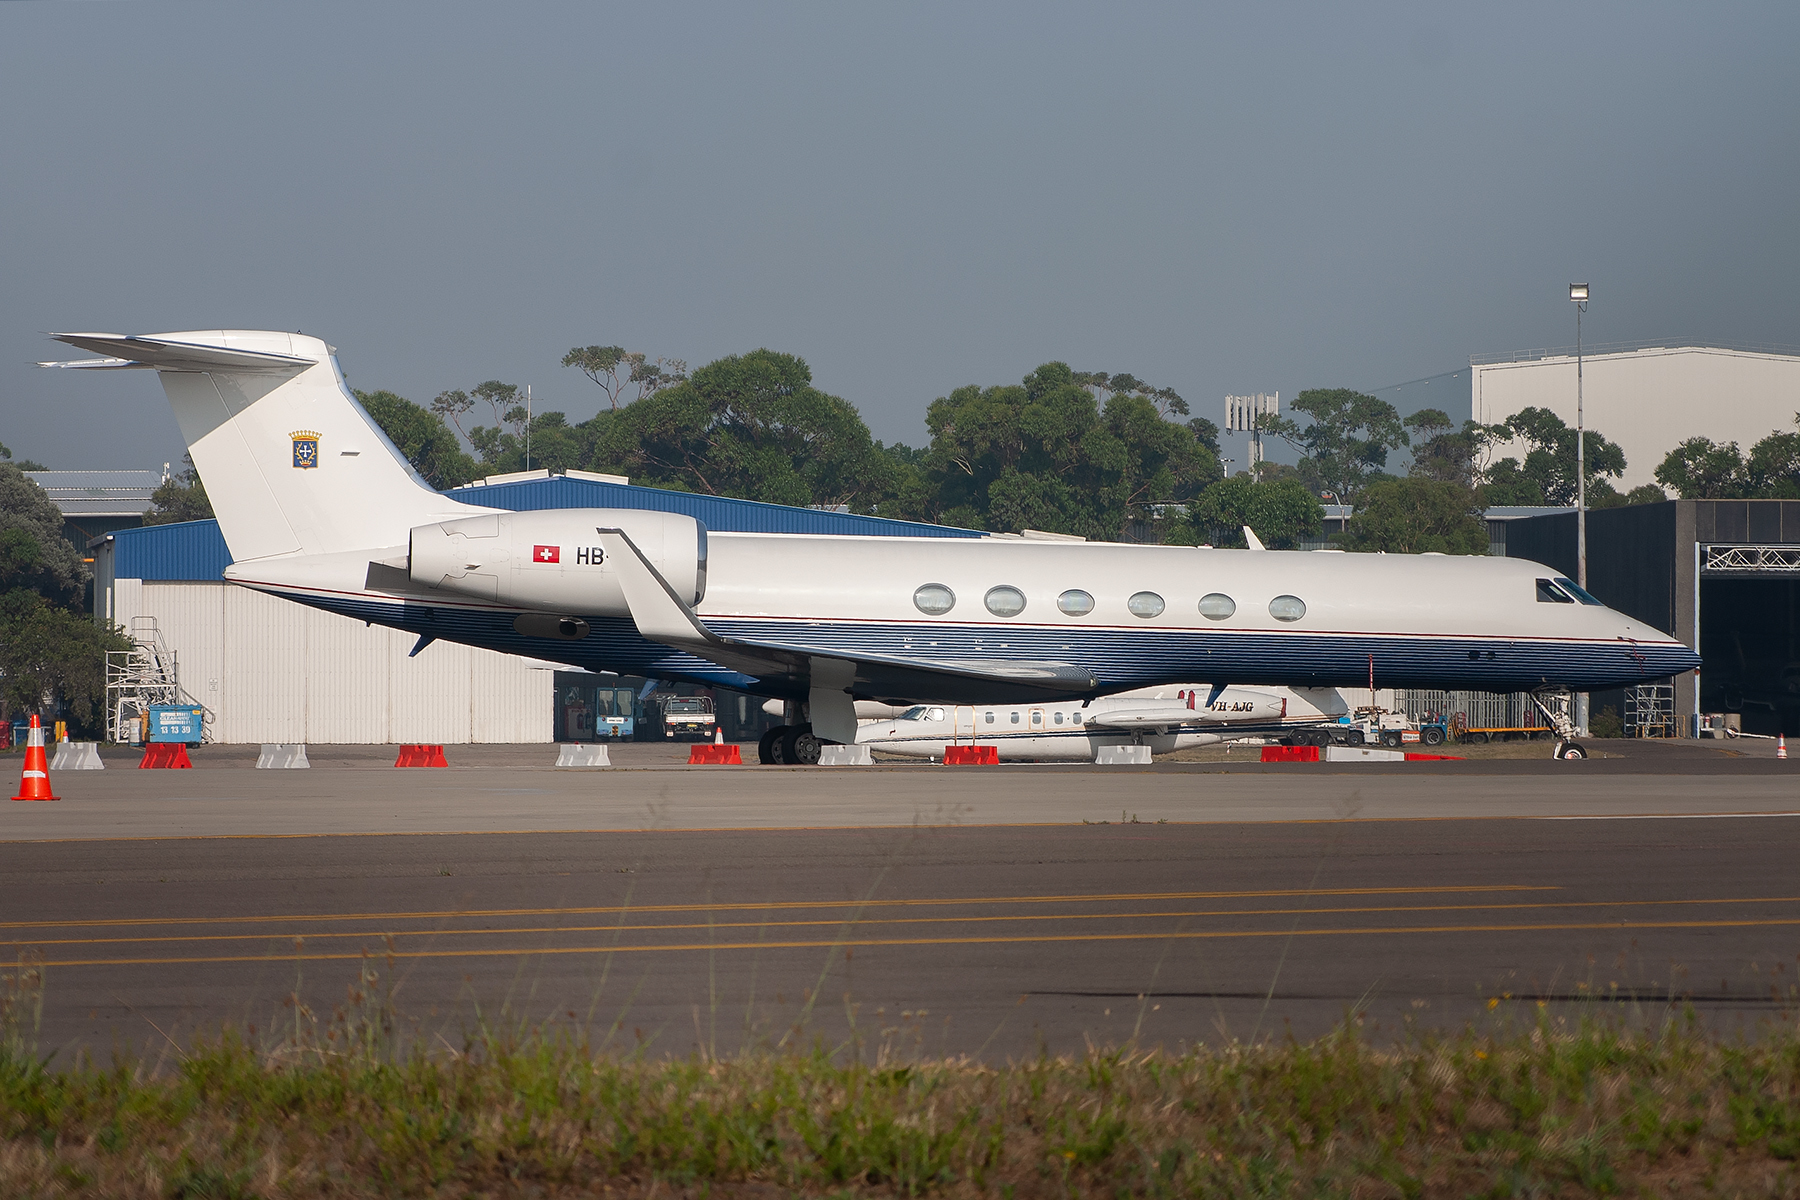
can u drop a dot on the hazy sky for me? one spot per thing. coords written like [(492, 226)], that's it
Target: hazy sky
[(911, 197)]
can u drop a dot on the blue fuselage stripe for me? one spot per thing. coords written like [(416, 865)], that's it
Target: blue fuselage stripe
[(1118, 658)]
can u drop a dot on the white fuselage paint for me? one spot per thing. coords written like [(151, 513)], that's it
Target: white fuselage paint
[(1074, 732), (317, 506)]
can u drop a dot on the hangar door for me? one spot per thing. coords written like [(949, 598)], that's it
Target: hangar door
[(1750, 634)]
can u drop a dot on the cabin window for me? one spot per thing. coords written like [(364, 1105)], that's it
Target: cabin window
[(1287, 608), (1575, 590), (1037, 718), (1075, 718), (1549, 593), (1075, 603), (1059, 717), (934, 599), (1015, 718), (1145, 604), (1005, 601), (990, 718), (1216, 606)]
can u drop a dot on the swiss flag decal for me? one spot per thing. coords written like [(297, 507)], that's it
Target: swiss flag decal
[(546, 554)]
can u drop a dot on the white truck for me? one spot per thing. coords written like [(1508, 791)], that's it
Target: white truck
[(688, 717)]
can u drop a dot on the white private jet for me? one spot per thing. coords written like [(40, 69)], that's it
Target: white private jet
[(318, 507), (1163, 719)]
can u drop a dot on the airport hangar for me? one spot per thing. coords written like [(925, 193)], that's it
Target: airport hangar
[(270, 670), (1645, 398), (1721, 575)]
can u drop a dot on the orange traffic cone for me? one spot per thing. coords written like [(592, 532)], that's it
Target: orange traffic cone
[(1780, 745), (34, 784), (718, 737)]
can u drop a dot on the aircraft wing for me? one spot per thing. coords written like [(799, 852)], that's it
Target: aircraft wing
[(125, 352), (662, 616)]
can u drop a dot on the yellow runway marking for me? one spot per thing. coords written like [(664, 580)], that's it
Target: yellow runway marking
[(775, 905), (860, 943), (859, 923)]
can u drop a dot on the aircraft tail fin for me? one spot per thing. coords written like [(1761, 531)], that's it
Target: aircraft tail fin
[(291, 462)]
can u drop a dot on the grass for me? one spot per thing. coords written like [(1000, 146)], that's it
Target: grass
[(343, 1107)]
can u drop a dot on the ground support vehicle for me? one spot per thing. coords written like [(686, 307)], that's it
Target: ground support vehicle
[(688, 717), (1460, 730)]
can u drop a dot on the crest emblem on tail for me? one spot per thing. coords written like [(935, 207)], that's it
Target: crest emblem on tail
[(306, 448)]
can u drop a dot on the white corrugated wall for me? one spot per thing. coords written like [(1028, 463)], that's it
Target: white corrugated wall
[(275, 671)]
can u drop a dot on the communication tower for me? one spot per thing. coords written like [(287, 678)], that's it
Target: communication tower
[(1243, 415)]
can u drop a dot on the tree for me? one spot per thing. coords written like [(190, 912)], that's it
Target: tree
[(1345, 443), (1774, 465), (1168, 403), (1280, 512), (1443, 452), (38, 557), (1417, 515), (1702, 469), (750, 426), (49, 649), (1044, 454), (182, 497), (422, 438), (603, 364), (24, 464), (1547, 474)]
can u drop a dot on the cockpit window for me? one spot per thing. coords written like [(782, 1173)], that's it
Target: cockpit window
[(915, 713), (936, 714), (1549, 593), (1569, 586)]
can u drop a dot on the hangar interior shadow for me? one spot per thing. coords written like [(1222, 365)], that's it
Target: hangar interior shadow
[(1749, 638)]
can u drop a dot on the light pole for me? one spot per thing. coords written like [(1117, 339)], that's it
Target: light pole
[(1578, 292)]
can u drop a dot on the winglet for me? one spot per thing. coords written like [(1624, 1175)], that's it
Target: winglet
[(1251, 540)]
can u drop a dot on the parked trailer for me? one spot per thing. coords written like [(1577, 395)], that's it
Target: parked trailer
[(1462, 731)]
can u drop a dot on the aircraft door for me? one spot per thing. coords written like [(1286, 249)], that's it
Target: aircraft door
[(963, 724)]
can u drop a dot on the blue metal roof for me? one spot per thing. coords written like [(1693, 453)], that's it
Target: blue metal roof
[(188, 550), (718, 513), (195, 550)]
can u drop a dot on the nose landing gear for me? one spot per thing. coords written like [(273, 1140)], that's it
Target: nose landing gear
[(1555, 704)]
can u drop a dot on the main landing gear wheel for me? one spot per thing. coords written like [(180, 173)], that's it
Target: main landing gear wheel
[(1569, 750), (799, 747), (768, 748)]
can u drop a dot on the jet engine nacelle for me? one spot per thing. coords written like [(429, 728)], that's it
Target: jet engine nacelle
[(551, 561), (1238, 704)]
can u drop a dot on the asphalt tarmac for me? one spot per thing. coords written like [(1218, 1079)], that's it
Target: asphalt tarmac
[(935, 910)]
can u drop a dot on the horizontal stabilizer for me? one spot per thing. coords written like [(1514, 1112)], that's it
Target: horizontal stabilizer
[(126, 352), (99, 364)]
